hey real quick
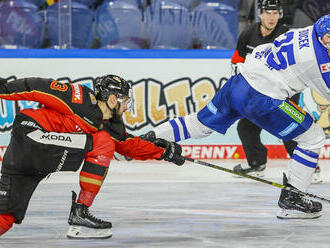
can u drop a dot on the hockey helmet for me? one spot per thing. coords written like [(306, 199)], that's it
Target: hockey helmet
[(270, 5), (111, 84), (322, 26)]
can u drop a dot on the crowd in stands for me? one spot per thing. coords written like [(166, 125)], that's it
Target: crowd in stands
[(136, 24)]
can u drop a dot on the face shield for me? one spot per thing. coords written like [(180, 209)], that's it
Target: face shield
[(128, 100)]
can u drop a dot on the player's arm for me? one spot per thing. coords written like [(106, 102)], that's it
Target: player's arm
[(140, 149), (48, 92)]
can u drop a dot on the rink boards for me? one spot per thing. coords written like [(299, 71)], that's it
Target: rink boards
[(166, 84)]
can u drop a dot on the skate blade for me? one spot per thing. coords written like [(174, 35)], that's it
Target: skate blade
[(81, 232), (255, 174), (294, 214)]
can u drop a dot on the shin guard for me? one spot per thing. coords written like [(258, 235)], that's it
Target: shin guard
[(95, 167)]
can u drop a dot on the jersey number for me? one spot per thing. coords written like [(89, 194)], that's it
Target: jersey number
[(55, 85), (285, 48)]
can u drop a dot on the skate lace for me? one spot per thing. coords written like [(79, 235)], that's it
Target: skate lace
[(307, 201), (92, 217)]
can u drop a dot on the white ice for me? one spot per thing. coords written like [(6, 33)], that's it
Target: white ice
[(157, 204)]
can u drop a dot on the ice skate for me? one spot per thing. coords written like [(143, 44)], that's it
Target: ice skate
[(258, 171), (83, 225), (296, 206)]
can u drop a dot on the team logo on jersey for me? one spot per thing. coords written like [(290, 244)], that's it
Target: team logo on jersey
[(325, 67), (92, 97), (56, 85), (77, 94)]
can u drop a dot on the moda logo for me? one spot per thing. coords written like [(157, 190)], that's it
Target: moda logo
[(56, 137)]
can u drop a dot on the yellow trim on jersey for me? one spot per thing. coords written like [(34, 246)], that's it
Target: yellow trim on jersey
[(90, 180)]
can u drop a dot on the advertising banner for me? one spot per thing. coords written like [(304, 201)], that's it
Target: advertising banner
[(167, 84)]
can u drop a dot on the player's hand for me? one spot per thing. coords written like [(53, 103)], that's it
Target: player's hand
[(172, 151)]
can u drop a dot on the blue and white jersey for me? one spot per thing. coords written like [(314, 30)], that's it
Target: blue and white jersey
[(294, 61)]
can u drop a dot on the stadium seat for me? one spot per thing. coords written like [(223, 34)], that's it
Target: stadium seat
[(168, 25), (139, 3), (215, 25), (88, 3), (233, 3), (189, 4), (38, 3), (118, 25), (81, 30), (20, 25)]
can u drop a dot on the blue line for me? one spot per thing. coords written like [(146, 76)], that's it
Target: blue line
[(185, 130), (117, 54), (308, 153), (175, 130), (303, 161)]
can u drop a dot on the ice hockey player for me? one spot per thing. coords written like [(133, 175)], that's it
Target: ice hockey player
[(75, 125), (258, 33), (270, 75)]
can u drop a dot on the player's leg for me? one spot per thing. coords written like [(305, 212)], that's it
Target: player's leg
[(94, 170), (6, 222), (217, 116), (291, 145), (35, 151), (301, 168), (16, 192), (30, 156), (255, 151), (289, 122), (6, 219)]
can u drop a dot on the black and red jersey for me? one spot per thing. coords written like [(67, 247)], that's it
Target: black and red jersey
[(73, 108), (251, 38)]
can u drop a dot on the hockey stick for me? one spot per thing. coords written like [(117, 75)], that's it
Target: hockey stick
[(256, 179)]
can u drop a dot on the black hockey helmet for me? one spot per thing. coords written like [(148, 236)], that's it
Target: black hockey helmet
[(270, 5), (111, 84)]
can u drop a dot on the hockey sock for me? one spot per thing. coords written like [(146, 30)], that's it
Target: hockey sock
[(6, 222), (95, 167), (90, 183), (301, 167)]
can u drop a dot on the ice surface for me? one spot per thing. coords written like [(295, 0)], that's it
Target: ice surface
[(160, 205)]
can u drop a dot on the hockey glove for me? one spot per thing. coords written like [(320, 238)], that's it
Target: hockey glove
[(172, 151)]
